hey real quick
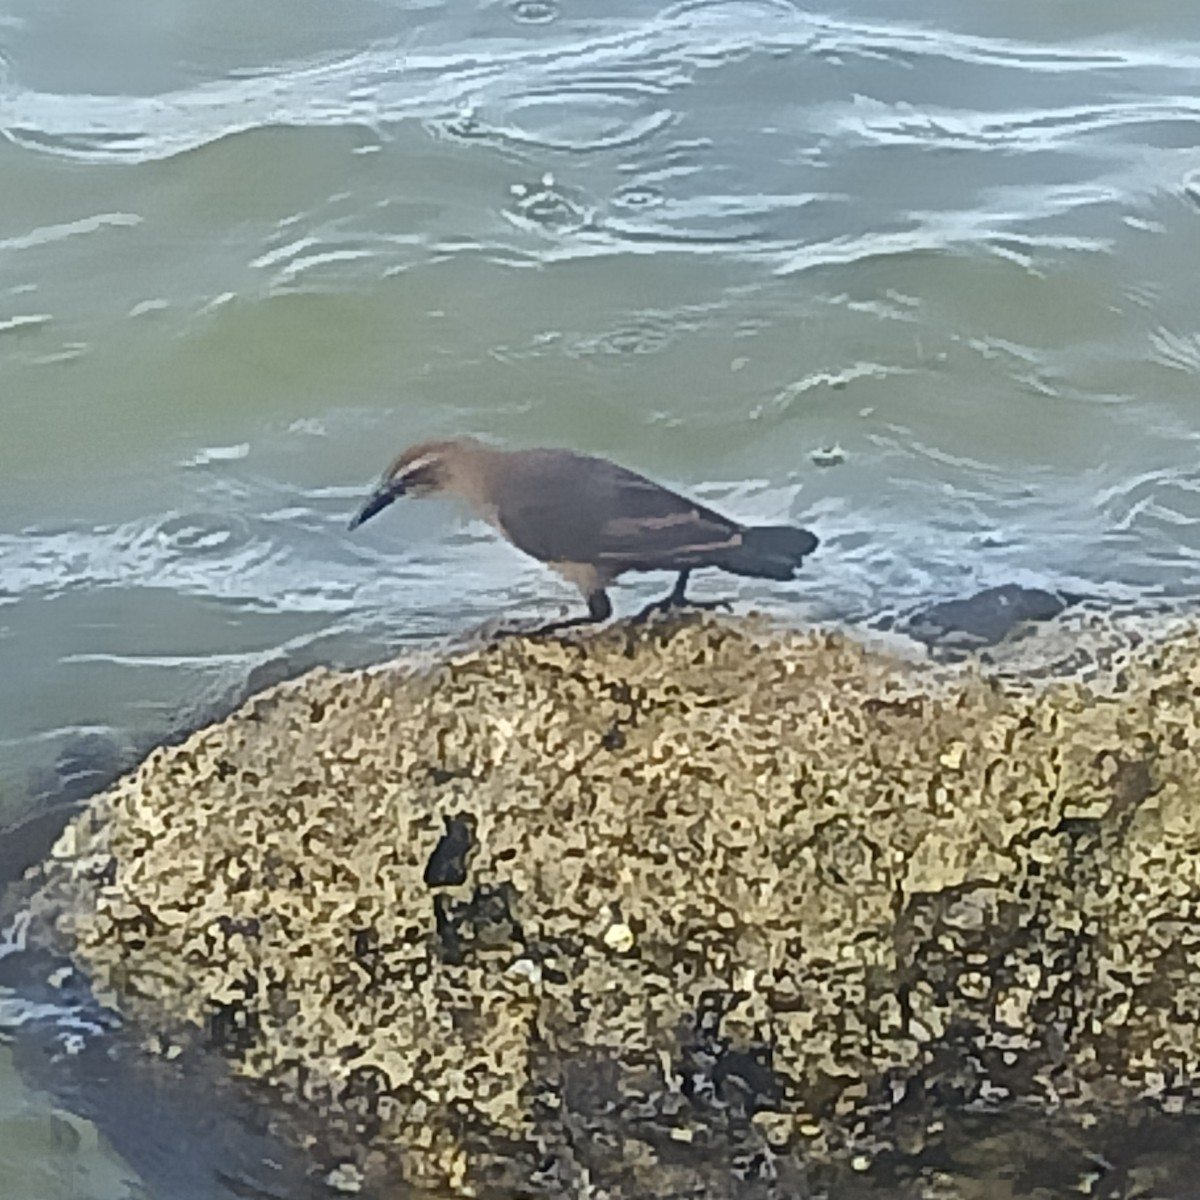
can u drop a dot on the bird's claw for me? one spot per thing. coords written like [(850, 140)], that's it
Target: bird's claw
[(539, 631), (671, 603)]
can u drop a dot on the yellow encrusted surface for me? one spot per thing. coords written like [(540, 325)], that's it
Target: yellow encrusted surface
[(874, 873)]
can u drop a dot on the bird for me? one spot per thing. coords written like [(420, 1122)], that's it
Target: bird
[(590, 520)]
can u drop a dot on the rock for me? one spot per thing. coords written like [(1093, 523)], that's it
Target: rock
[(178, 1123), (27, 841), (984, 619), (810, 900), (86, 763)]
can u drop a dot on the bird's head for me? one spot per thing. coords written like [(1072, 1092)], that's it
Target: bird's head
[(422, 470)]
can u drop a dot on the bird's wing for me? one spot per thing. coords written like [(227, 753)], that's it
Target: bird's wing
[(654, 527), (585, 509)]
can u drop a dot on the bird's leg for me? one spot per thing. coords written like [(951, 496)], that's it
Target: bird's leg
[(599, 609), (677, 598)]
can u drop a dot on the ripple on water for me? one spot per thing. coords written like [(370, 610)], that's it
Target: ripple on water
[(741, 12), (645, 333), (24, 322), (1162, 508), (548, 206), (575, 118), (533, 12), (579, 119), (637, 197), (620, 343), (193, 553), (188, 535), (793, 398), (1191, 188), (1178, 351), (726, 222), (1163, 122), (392, 82), (211, 454)]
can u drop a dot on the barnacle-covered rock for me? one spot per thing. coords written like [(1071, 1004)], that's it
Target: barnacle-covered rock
[(706, 897)]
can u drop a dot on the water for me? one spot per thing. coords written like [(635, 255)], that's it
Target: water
[(248, 252)]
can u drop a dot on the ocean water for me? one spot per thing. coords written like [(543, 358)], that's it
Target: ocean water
[(921, 277)]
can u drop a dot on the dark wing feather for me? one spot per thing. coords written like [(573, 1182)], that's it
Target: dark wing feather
[(659, 529), (561, 507)]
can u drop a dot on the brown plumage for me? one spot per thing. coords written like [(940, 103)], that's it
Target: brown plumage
[(590, 519)]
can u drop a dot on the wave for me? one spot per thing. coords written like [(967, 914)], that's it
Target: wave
[(592, 86)]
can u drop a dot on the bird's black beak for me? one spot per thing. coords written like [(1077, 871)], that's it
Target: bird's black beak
[(376, 502)]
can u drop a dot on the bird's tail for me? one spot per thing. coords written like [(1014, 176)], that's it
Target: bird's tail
[(769, 551)]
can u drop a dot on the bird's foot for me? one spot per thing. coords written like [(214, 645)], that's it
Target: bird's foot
[(502, 633), (538, 631), (558, 626), (673, 602)]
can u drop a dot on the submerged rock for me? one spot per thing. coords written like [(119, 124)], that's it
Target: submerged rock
[(705, 904), (985, 618), (86, 762)]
